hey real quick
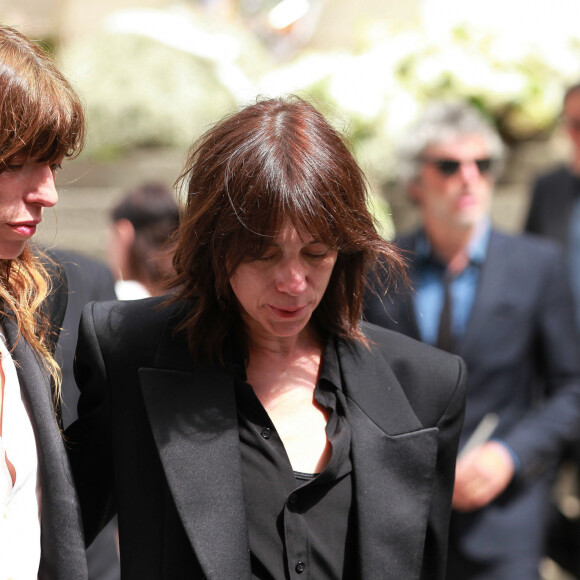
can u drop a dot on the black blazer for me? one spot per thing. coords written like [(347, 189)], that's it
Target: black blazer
[(62, 543), (523, 357), (157, 440), (553, 198)]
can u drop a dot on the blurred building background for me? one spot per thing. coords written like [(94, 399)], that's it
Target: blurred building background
[(155, 73)]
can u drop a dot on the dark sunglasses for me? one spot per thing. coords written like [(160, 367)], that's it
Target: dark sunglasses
[(450, 167)]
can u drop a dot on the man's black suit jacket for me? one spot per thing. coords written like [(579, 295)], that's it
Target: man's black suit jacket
[(553, 198), (523, 357), (157, 440), (554, 195)]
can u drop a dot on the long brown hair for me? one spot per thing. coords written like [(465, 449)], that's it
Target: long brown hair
[(41, 118), (276, 160)]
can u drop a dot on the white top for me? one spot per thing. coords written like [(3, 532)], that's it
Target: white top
[(130, 290), (19, 504)]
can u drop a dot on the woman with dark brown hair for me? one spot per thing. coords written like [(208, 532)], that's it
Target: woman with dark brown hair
[(41, 123), (252, 426)]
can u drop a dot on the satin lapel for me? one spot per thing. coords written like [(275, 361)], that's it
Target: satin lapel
[(394, 460), (194, 422), (63, 554)]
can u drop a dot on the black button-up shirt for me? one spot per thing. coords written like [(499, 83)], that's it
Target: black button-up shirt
[(301, 526)]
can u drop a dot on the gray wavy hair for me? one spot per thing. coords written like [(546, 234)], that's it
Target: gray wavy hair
[(443, 121)]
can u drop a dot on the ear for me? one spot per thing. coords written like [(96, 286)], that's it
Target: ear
[(125, 232), (414, 190), (121, 237)]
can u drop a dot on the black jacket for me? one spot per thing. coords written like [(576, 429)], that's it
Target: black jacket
[(157, 441)]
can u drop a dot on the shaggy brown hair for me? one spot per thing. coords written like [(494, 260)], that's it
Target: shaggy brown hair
[(41, 118), (273, 161)]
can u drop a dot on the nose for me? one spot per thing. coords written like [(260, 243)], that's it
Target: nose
[(42, 188), (291, 278), (469, 171)]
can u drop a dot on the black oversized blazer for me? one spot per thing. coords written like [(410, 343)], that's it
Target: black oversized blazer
[(62, 543), (157, 441)]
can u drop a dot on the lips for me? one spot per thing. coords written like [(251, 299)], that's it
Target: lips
[(25, 228), (467, 200), (289, 312)]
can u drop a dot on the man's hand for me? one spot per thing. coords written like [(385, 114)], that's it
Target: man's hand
[(481, 475)]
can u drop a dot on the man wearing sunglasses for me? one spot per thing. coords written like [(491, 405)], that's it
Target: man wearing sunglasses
[(554, 210), (555, 213), (503, 304)]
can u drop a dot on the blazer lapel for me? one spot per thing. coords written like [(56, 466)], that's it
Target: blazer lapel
[(488, 294), (63, 552), (393, 494), (192, 412)]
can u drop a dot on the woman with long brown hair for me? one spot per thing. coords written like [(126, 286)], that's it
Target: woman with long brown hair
[(251, 427), (41, 124)]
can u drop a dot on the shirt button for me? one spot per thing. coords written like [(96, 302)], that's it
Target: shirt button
[(292, 499), (266, 432), (300, 567)]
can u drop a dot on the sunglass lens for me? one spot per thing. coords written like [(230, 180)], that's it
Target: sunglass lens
[(484, 165), (447, 166)]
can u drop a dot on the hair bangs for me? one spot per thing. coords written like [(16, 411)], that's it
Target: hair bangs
[(48, 134), (258, 210), (43, 118)]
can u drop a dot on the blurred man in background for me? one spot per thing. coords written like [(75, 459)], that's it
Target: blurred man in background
[(503, 304), (555, 206), (142, 224), (555, 213)]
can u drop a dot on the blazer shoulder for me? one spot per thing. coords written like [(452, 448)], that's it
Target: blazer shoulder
[(552, 189), (526, 244), (415, 362), (552, 177), (137, 323), (432, 380)]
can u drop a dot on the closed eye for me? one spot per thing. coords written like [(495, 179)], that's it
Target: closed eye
[(315, 250), (266, 257), (12, 167)]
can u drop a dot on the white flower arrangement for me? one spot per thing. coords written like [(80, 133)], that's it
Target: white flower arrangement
[(160, 77), (154, 78)]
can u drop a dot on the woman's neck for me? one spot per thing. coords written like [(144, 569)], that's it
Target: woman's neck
[(276, 363), (285, 347)]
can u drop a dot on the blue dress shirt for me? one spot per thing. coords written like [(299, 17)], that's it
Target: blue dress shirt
[(428, 283)]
